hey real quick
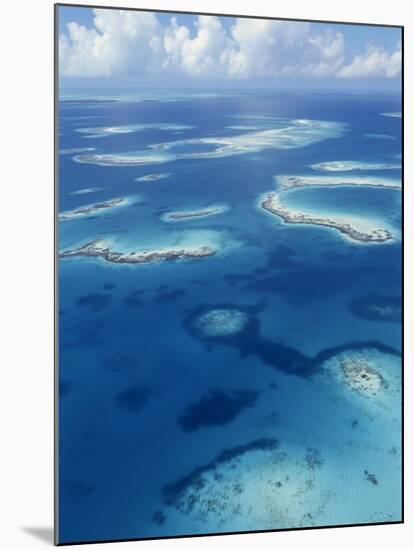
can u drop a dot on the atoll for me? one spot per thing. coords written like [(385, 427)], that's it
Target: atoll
[(273, 204)]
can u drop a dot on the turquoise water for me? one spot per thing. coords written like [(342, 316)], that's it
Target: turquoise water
[(174, 423)]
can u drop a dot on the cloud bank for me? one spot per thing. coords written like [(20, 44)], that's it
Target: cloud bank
[(374, 63), (126, 43)]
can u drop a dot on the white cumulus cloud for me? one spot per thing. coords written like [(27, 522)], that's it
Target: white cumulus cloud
[(374, 63), (129, 43), (121, 42), (206, 54)]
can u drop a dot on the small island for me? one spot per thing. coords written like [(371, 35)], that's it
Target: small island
[(153, 177), (91, 209), (351, 165), (272, 204), (139, 158), (287, 183), (86, 190), (190, 214), (76, 150), (101, 249), (392, 115)]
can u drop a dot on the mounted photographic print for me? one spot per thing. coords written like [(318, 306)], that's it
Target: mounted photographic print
[(228, 274)]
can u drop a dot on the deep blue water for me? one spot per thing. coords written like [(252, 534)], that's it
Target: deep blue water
[(132, 365)]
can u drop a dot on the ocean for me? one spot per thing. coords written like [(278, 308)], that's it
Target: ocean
[(255, 388)]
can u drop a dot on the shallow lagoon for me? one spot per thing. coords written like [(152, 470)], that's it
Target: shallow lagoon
[(132, 363)]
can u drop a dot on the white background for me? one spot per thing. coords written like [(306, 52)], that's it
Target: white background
[(26, 288)]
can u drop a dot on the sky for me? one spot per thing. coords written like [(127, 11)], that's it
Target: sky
[(111, 48)]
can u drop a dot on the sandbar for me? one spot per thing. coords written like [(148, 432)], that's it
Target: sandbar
[(392, 115), (106, 131), (152, 177)]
